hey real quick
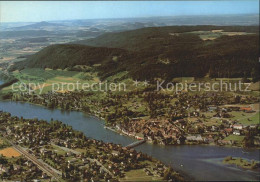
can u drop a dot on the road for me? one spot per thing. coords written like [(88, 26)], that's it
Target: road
[(33, 159)]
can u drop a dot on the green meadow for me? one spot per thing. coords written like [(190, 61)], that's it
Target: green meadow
[(45, 78)]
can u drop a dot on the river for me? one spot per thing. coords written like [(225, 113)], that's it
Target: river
[(200, 162)]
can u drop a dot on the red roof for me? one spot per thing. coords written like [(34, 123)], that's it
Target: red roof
[(228, 129), (246, 108)]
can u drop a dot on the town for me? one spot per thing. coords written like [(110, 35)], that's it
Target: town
[(129, 91), (55, 151), (163, 118)]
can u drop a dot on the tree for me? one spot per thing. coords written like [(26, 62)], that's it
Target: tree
[(228, 158), (249, 139), (237, 99), (51, 105), (167, 174), (3, 160), (245, 80), (254, 75)]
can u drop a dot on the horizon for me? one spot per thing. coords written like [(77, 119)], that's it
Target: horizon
[(61, 20), (129, 90), (20, 12)]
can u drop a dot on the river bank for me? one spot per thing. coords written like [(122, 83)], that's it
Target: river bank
[(190, 139), (121, 132), (182, 158), (56, 134)]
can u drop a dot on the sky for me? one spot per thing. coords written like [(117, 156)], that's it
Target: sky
[(35, 11)]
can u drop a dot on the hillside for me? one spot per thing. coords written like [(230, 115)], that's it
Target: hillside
[(164, 52), (39, 25), (143, 38), (67, 56)]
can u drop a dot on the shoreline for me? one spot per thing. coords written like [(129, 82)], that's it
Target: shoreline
[(122, 133), (187, 176), (151, 142)]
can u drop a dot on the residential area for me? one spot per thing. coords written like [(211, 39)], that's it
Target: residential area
[(167, 119), (66, 154)]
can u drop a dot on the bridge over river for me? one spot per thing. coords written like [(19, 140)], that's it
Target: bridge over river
[(135, 144), (182, 158)]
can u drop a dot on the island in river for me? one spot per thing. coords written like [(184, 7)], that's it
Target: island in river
[(242, 163), (210, 124), (182, 158), (175, 120)]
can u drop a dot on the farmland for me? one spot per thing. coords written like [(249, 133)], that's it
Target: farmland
[(214, 34), (191, 55), (45, 78)]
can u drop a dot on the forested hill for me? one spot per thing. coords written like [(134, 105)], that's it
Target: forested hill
[(146, 37), (63, 56), (161, 52)]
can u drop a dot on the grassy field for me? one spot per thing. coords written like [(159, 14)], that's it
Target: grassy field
[(58, 150), (212, 35), (36, 74), (246, 118), (235, 138), (47, 78), (139, 175), (252, 119)]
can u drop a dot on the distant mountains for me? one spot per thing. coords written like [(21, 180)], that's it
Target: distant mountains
[(39, 26), (35, 29), (160, 52), (121, 24)]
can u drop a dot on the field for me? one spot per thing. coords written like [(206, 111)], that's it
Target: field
[(252, 119), (235, 138), (41, 75), (9, 152), (139, 175), (16, 46), (58, 150), (213, 34), (45, 79), (247, 118)]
